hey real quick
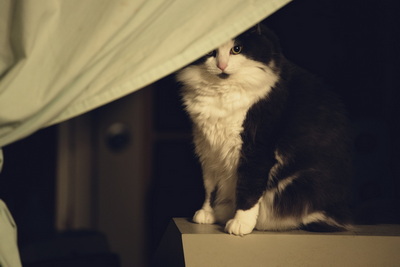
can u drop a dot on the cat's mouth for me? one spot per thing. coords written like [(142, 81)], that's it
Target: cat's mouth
[(223, 75)]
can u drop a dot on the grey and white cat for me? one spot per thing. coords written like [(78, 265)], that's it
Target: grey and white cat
[(272, 141)]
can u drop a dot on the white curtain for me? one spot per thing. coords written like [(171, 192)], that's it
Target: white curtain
[(61, 58)]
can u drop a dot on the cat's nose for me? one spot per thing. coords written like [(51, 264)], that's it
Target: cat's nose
[(222, 65)]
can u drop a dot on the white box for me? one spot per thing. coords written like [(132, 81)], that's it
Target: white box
[(189, 244)]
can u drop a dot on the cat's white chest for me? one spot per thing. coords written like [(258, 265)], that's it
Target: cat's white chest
[(218, 119)]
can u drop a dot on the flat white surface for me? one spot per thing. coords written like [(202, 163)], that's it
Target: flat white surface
[(366, 245)]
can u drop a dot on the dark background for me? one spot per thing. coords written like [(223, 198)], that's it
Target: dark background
[(351, 44)]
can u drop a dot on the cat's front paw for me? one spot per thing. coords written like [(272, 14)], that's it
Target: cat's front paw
[(204, 217), (244, 222), (238, 227)]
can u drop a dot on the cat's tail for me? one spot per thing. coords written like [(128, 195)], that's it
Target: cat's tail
[(325, 227), (320, 222)]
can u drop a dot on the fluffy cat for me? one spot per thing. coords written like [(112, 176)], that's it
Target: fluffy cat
[(272, 140)]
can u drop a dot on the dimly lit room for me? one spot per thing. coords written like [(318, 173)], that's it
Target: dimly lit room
[(94, 177)]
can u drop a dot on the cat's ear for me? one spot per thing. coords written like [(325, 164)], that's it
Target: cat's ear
[(256, 29)]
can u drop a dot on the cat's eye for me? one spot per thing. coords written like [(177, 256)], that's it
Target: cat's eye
[(237, 49), (211, 53)]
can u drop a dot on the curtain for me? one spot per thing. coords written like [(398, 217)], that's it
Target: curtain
[(61, 58)]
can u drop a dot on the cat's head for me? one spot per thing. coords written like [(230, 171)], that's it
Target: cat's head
[(250, 54)]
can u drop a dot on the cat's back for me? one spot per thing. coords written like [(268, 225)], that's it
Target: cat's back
[(313, 125), (310, 101)]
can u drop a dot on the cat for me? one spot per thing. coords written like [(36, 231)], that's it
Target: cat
[(272, 140)]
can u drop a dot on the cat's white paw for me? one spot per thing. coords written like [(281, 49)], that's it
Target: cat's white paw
[(244, 221), (204, 217), (238, 227)]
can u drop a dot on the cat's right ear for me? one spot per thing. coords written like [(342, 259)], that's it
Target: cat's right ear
[(256, 29)]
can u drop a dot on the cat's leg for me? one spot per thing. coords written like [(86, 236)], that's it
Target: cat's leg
[(251, 186), (205, 215), (252, 177), (224, 202)]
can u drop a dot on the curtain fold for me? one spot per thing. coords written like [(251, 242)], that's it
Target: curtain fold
[(9, 254), (59, 59)]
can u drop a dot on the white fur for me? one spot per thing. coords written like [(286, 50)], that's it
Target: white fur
[(205, 215), (321, 217), (218, 108), (244, 221)]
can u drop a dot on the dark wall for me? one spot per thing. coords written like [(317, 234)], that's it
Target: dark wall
[(352, 44)]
